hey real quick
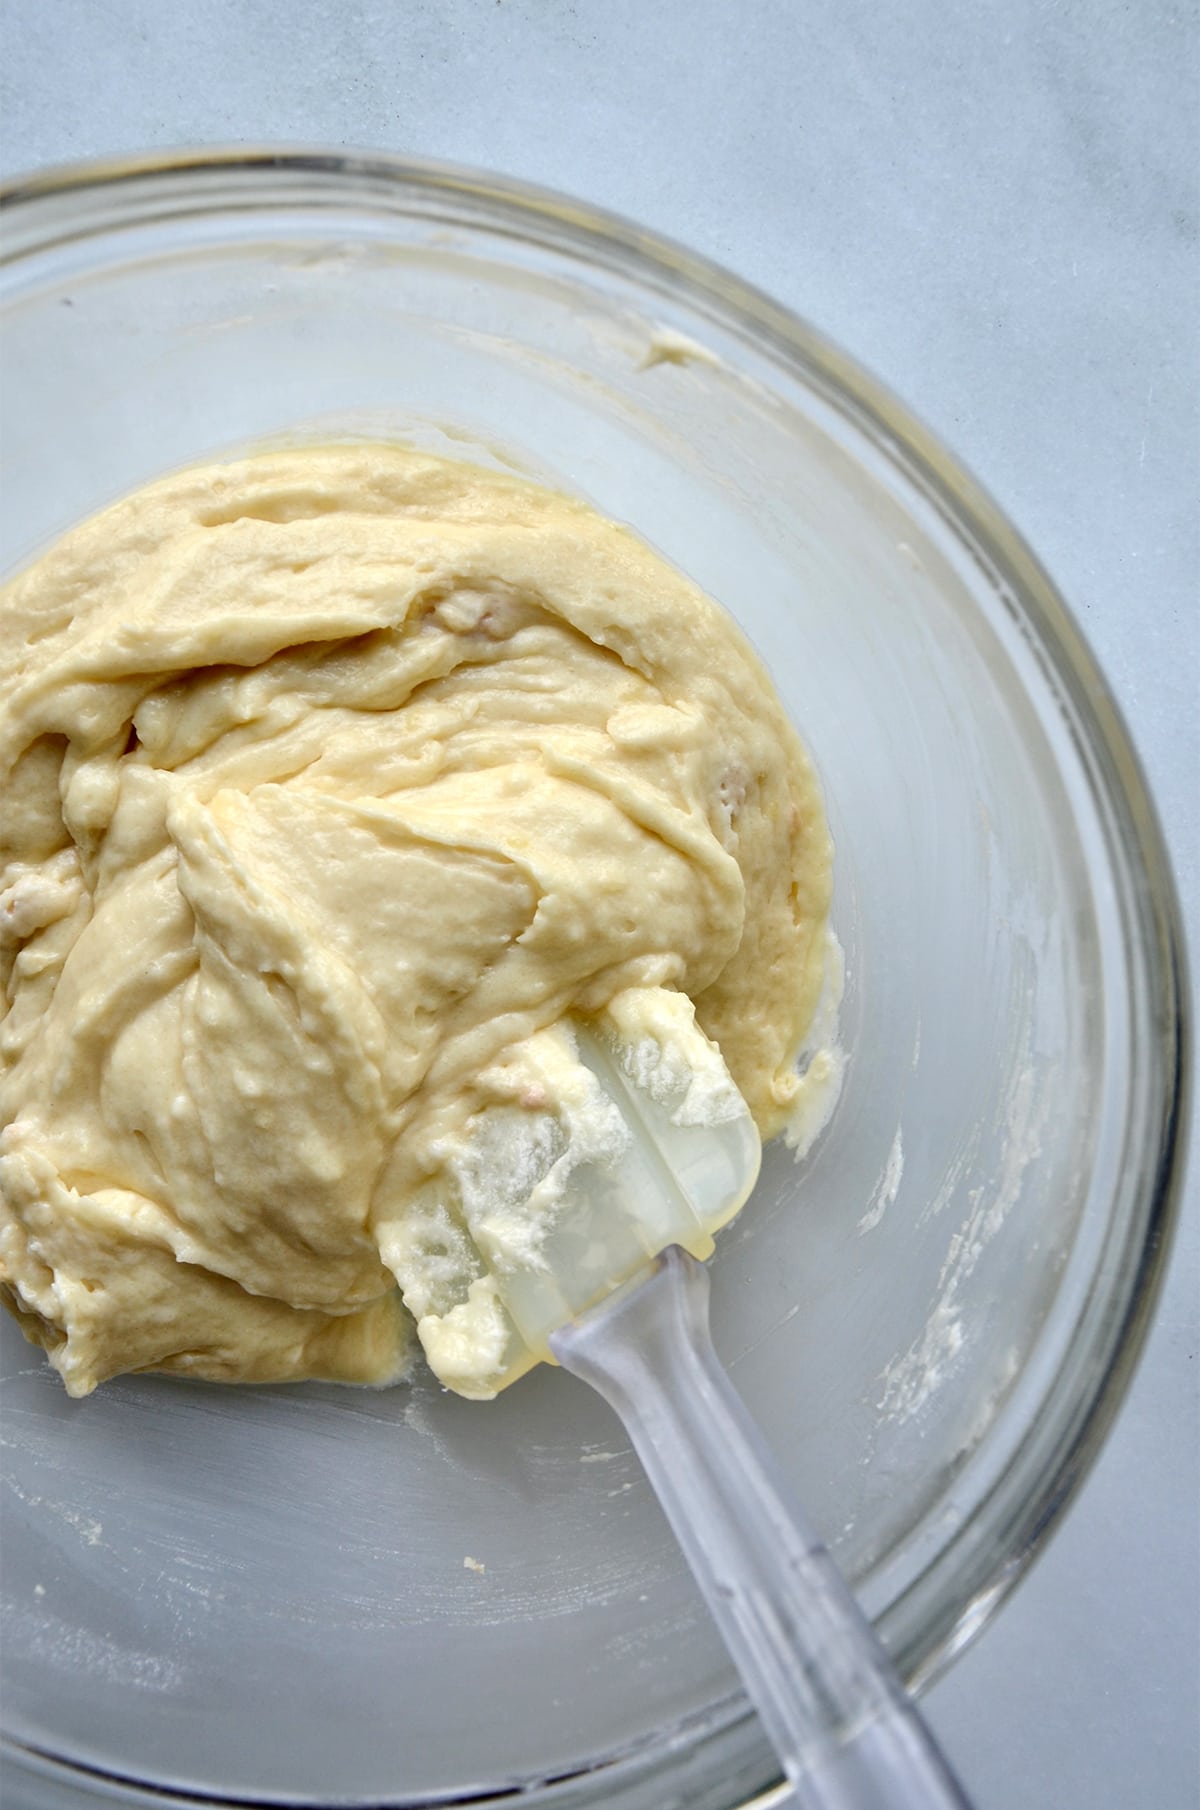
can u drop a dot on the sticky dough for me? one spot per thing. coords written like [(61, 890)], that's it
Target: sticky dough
[(331, 781)]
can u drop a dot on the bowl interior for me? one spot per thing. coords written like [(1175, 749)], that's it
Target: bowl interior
[(264, 1593)]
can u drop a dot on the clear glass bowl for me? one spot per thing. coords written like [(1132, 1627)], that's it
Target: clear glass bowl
[(261, 1595)]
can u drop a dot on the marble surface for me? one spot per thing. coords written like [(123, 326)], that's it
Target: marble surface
[(995, 207)]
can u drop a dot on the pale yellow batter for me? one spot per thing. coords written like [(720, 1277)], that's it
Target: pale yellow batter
[(330, 781)]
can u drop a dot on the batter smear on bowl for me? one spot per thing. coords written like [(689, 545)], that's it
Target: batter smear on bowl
[(335, 785)]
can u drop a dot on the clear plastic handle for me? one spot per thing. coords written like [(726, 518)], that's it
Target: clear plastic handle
[(847, 1733)]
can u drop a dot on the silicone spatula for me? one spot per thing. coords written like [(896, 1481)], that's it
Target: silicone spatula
[(611, 1287)]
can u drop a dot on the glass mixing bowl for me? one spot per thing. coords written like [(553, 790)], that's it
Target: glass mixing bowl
[(313, 1595)]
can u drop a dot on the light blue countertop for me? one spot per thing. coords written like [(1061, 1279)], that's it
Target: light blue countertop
[(995, 208)]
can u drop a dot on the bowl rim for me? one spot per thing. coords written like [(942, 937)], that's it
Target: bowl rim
[(141, 187)]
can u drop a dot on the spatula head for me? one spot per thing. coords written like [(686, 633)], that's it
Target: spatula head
[(638, 1139)]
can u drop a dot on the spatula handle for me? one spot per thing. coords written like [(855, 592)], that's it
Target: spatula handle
[(848, 1735)]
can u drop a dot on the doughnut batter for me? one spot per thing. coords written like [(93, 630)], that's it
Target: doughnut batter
[(331, 781)]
